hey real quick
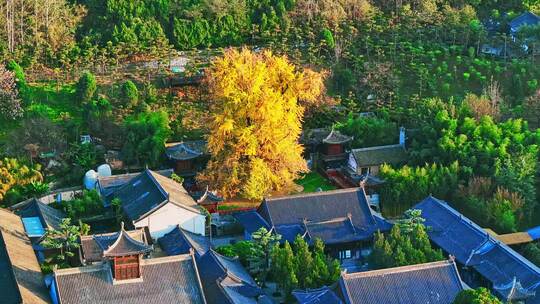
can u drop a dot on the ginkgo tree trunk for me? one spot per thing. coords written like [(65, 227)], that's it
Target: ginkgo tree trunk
[(257, 106)]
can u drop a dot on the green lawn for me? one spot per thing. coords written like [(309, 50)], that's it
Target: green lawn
[(47, 99), (313, 180)]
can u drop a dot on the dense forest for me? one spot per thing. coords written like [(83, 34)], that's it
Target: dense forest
[(102, 67)]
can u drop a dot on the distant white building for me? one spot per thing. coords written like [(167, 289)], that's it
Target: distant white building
[(367, 161)]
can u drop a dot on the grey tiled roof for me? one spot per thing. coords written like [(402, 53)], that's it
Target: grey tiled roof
[(7, 276), (434, 283), (340, 230), (92, 246), (175, 191), (149, 191), (186, 150), (323, 135), (207, 197), (514, 291), (335, 137), (318, 206), (233, 268), (323, 295), (323, 213), (373, 156), (164, 280), (314, 136)]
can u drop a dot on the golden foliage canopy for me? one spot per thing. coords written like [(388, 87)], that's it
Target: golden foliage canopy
[(13, 173), (256, 121)]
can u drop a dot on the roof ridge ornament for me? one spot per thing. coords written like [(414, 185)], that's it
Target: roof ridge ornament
[(204, 196), (516, 291)]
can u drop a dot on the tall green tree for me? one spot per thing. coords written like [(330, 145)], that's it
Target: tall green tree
[(303, 267), (476, 296), (146, 134), (438, 180), (326, 271), (283, 267), (303, 262), (130, 94), (477, 145), (259, 262), (518, 174), (491, 205), (407, 244), (532, 252), (370, 131)]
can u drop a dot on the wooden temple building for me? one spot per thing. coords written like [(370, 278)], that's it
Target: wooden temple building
[(187, 157), (326, 148)]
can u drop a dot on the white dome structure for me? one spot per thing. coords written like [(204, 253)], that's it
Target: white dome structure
[(90, 179), (104, 170)]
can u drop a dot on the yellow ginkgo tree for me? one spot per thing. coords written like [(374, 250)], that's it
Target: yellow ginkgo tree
[(257, 106)]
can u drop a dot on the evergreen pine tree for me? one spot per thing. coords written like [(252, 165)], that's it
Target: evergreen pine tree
[(406, 244), (283, 267), (86, 87), (321, 274), (130, 94), (303, 263)]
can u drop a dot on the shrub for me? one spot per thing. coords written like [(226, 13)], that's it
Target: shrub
[(87, 205), (86, 87), (130, 94)]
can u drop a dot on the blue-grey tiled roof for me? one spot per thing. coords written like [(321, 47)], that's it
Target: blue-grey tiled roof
[(108, 185), (48, 216), (251, 220), (318, 206), (219, 273), (323, 295), (336, 216), (232, 295), (289, 232), (180, 241), (148, 191), (434, 283), (186, 150), (525, 19), (534, 233), (140, 195), (474, 247), (340, 230)]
